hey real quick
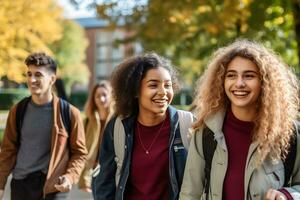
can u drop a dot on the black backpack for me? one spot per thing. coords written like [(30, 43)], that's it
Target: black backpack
[(210, 144), (21, 109)]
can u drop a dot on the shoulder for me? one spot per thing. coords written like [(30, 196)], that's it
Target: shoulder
[(74, 110), (12, 113)]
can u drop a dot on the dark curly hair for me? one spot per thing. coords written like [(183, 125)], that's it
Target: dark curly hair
[(126, 80), (41, 60)]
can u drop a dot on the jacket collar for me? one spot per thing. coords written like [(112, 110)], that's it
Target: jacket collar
[(215, 123)]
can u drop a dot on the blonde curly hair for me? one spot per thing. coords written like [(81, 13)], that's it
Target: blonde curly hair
[(277, 105)]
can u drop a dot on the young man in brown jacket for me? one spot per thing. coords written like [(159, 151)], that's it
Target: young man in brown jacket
[(45, 159)]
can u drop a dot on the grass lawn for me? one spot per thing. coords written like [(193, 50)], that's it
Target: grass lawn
[(3, 116), (1, 135)]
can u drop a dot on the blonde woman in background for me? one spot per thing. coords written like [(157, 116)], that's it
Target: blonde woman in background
[(98, 110), (248, 99)]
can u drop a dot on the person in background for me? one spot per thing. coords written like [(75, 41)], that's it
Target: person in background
[(44, 158), (248, 99), (98, 110), (154, 160)]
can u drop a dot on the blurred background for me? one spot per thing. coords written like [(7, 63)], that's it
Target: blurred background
[(88, 38)]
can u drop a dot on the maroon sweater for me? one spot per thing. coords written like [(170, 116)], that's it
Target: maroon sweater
[(149, 173), (238, 139)]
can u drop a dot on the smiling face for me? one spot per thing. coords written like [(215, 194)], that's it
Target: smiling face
[(40, 80), (156, 92), (242, 84)]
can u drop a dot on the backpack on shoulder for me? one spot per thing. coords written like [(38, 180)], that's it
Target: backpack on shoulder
[(21, 110), (210, 144), (185, 122)]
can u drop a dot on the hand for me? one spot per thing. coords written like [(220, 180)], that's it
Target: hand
[(87, 189), (1, 194), (64, 184), (274, 195)]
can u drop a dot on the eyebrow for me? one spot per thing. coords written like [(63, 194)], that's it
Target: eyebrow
[(247, 71), (155, 80)]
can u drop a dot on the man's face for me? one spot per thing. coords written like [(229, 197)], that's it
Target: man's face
[(40, 80)]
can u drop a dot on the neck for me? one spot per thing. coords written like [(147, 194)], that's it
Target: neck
[(42, 99), (151, 120), (247, 115), (103, 113)]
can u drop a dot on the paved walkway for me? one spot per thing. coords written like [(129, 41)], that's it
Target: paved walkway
[(76, 194)]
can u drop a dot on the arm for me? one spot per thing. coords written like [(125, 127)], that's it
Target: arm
[(92, 134), (193, 180), (78, 150), (105, 185), (9, 148), (294, 190)]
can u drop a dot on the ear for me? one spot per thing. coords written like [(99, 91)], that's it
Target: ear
[(53, 79)]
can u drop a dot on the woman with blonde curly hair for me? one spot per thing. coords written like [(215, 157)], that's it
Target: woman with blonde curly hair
[(98, 110), (248, 101)]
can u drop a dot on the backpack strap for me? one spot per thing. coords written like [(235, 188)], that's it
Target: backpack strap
[(185, 123), (21, 110), (289, 162), (20, 113), (119, 146), (65, 114), (209, 146)]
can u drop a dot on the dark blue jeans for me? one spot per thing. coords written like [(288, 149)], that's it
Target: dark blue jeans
[(31, 188)]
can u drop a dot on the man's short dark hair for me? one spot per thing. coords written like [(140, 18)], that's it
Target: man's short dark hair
[(41, 60)]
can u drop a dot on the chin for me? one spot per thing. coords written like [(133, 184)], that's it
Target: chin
[(162, 110)]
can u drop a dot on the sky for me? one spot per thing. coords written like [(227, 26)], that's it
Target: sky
[(71, 12)]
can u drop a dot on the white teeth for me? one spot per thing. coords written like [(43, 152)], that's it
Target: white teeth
[(240, 92), (160, 101)]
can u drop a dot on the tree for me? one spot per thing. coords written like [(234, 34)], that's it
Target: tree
[(70, 54), (188, 31), (26, 26)]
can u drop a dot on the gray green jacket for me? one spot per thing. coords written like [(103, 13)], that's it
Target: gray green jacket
[(257, 179)]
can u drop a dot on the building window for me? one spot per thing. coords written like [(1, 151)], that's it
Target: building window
[(108, 54)]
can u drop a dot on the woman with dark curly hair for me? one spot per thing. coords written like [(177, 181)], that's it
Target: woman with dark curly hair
[(248, 100), (154, 156)]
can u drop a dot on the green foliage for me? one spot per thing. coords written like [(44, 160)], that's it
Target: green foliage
[(183, 97), (26, 26), (9, 97), (188, 31), (1, 136), (70, 54), (78, 99)]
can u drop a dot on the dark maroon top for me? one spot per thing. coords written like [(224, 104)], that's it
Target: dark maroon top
[(149, 173), (238, 139)]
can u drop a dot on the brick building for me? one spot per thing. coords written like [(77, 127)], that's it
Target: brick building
[(103, 53)]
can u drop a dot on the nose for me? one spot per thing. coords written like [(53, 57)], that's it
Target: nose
[(162, 91), (32, 79), (102, 99), (240, 82)]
